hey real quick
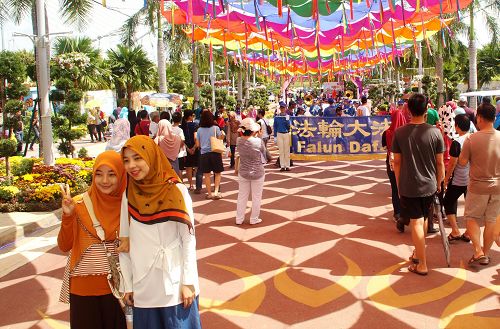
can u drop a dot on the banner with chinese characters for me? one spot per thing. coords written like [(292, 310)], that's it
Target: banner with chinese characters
[(338, 138)]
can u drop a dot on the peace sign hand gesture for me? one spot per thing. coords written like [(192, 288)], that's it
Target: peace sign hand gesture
[(68, 204)]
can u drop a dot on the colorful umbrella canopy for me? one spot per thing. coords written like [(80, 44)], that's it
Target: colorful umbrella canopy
[(312, 36)]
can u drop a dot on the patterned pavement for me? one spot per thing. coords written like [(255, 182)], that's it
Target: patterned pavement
[(327, 255)]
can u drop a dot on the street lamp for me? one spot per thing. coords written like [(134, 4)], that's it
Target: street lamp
[(43, 80)]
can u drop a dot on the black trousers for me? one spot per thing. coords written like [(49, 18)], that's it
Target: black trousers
[(96, 312), (233, 151), (453, 192), (394, 189)]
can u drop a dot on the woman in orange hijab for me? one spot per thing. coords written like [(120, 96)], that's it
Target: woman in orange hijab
[(85, 283), (160, 271)]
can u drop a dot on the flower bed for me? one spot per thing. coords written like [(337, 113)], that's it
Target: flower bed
[(36, 187)]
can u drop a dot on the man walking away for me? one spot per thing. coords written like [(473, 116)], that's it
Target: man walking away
[(419, 168), (482, 151)]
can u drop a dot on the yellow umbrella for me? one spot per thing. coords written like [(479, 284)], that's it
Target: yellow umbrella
[(93, 103)]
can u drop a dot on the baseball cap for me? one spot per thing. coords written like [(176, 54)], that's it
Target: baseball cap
[(462, 99), (401, 102), (282, 104)]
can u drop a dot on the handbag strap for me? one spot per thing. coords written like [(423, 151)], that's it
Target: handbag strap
[(90, 208)]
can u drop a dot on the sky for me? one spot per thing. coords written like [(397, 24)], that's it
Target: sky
[(105, 21)]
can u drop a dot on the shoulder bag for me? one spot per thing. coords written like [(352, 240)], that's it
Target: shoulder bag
[(217, 145), (114, 275)]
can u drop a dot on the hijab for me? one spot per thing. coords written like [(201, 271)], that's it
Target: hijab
[(124, 113), (234, 124), (156, 198), (107, 207), (167, 140), (398, 119), (121, 133)]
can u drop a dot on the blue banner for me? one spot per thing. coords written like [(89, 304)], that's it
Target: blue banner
[(338, 137)]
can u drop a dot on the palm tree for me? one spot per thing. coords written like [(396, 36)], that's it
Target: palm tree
[(97, 74), (131, 69), (72, 11), (491, 16), (489, 63), (151, 14)]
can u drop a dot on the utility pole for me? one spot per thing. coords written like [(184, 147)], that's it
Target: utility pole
[(43, 85)]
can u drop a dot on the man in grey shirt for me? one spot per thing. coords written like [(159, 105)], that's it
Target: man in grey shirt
[(419, 169)]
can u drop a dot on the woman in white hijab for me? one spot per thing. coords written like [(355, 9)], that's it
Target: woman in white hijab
[(120, 134)]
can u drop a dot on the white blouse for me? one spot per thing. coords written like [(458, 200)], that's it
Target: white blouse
[(162, 257)]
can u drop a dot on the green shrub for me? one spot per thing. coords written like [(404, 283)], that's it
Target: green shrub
[(66, 148), (83, 153), (8, 147), (7, 193), (23, 166)]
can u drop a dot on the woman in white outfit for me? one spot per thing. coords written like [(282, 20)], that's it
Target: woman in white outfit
[(251, 173), (160, 272)]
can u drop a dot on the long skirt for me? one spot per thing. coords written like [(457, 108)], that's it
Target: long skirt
[(96, 312), (172, 317)]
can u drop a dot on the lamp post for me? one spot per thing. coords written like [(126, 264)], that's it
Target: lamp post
[(43, 80), (43, 85)]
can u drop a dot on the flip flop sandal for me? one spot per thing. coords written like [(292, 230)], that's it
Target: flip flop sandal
[(413, 269), (465, 238), (479, 259), (485, 261), (209, 197), (454, 238), (413, 259)]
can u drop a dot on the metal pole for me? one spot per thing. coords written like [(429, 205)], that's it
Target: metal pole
[(212, 82), (3, 37), (254, 77), (43, 85), (420, 67)]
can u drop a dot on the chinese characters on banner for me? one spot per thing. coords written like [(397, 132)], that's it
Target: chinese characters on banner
[(338, 137)]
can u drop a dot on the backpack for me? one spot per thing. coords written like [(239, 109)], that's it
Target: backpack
[(268, 128)]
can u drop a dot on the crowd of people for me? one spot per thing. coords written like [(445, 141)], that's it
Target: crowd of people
[(445, 154), (139, 211)]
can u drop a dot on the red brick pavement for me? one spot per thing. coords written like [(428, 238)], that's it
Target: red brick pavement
[(326, 255)]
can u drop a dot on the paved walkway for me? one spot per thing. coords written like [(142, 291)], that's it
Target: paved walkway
[(17, 225), (327, 255)]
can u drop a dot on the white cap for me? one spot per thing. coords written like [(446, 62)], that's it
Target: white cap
[(462, 99), (249, 124)]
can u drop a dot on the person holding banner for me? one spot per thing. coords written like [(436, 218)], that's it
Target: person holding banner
[(281, 128)]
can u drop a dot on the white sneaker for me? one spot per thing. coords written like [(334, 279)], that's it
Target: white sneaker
[(238, 222), (255, 221)]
